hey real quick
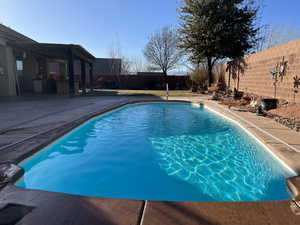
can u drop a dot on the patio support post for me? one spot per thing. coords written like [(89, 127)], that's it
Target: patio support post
[(91, 78), (83, 76), (71, 73)]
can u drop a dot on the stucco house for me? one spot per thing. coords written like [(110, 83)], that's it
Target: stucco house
[(27, 66)]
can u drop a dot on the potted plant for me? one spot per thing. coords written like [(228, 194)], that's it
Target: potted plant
[(271, 103), (278, 72), (237, 95)]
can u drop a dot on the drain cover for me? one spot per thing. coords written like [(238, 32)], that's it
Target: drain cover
[(13, 213)]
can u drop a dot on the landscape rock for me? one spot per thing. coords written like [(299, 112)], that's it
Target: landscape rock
[(9, 173)]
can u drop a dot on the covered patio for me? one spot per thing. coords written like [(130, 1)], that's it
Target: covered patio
[(45, 68)]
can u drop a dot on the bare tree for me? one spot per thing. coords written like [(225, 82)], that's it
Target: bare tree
[(120, 65), (277, 35), (138, 65), (115, 54), (161, 50), (281, 35), (271, 35), (126, 65)]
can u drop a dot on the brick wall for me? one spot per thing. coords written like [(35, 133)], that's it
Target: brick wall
[(257, 78)]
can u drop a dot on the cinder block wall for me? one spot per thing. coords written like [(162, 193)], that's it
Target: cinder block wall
[(257, 78)]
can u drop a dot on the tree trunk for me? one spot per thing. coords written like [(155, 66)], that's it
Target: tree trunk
[(165, 78), (166, 84), (229, 78), (238, 82), (210, 73)]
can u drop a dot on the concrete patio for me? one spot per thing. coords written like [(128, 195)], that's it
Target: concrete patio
[(23, 117)]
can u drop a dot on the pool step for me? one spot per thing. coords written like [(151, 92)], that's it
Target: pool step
[(294, 186)]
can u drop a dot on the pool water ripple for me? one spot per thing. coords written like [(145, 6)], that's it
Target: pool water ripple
[(235, 174)]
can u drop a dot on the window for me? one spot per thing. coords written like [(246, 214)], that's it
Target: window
[(19, 65)]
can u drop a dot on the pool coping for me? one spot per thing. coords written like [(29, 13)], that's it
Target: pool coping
[(258, 139), (59, 132), (263, 139), (283, 152)]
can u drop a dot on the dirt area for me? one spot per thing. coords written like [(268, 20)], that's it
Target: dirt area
[(292, 111), (285, 114)]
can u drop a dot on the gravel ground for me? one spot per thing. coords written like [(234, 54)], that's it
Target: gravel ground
[(292, 111)]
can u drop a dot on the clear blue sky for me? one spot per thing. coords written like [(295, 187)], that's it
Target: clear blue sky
[(97, 24)]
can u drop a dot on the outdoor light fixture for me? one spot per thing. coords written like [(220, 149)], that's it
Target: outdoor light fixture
[(24, 55)]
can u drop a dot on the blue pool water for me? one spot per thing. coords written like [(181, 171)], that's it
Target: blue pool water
[(159, 151)]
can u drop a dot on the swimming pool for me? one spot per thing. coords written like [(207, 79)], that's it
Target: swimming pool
[(159, 151)]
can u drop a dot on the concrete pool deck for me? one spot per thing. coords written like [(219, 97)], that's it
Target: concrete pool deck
[(36, 122), (60, 209)]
